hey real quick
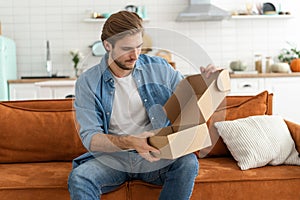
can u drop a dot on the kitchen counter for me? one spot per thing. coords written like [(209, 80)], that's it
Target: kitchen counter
[(265, 75), (262, 75), (39, 80), (41, 88)]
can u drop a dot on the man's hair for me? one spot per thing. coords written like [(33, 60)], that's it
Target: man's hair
[(120, 24)]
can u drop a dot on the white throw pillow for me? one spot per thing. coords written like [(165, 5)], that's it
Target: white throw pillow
[(259, 140)]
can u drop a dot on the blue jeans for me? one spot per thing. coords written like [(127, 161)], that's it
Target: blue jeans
[(95, 177)]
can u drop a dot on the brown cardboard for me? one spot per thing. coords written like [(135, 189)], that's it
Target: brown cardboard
[(188, 109)]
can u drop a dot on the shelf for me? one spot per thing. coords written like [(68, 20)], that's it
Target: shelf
[(102, 20), (261, 17), (94, 20)]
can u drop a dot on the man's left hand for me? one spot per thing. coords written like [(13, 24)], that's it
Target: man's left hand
[(209, 70)]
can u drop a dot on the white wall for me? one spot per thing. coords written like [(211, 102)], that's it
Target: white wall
[(31, 22)]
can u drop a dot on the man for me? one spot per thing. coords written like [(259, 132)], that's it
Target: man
[(118, 102)]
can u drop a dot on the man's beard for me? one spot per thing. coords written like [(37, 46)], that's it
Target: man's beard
[(119, 64)]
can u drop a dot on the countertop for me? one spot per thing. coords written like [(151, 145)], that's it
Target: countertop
[(39, 80), (265, 75)]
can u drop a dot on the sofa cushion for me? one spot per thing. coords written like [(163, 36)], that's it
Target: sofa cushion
[(233, 108), (295, 132), (40, 130), (40, 181), (220, 178), (259, 140)]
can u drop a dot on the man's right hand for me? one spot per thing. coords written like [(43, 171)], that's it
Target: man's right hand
[(140, 144), (112, 143)]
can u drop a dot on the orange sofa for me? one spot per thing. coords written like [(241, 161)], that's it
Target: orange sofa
[(39, 139)]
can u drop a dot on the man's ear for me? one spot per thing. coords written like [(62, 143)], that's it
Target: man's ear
[(107, 46)]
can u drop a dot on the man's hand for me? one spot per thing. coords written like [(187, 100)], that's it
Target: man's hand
[(112, 143), (140, 144), (209, 70)]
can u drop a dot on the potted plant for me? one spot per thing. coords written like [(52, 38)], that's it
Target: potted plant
[(287, 55), (291, 56), (76, 57)]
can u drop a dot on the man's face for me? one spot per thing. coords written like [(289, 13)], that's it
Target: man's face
[(126, 51)]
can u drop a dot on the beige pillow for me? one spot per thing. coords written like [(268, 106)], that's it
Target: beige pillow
[(234, 107), (259, 140)]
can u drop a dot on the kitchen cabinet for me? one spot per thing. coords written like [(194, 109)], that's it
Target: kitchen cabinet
[(250, 86), (40, 89), (55, 89), (286, 96), (285, 88), (22, 91)]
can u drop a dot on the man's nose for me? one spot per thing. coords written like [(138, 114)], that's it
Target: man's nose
[(134, 54)]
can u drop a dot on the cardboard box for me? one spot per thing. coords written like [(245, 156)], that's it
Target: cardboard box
[(188, 109)]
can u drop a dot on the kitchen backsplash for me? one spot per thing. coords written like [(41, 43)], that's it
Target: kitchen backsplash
[(30, 23)]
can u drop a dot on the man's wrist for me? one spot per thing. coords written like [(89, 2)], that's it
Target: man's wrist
[(126, 142)]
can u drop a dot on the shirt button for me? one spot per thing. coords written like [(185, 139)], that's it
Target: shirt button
[(145, 100), (107, 113), (152, 118), (111, 92)]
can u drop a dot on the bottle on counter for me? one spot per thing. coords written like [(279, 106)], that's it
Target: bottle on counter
[(269, 62), (258, 62)]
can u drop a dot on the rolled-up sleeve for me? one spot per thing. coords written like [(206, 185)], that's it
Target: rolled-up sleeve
[(89, 111)]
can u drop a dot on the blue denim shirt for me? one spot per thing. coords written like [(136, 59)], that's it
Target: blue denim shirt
[(155, 79)]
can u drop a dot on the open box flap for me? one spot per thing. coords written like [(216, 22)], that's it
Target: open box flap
[(196, 98), (186, 93), (223, 81)]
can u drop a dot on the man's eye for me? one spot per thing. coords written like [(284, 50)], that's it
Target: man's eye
[(131, 49), (127, 49)]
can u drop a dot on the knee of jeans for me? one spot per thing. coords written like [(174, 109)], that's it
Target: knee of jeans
[(78, 175), (73, 178), (190, 162)]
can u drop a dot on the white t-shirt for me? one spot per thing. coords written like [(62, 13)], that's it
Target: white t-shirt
[(128, 112)]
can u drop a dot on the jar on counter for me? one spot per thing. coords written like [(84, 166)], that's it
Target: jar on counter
[(269, 62), (258, 63)]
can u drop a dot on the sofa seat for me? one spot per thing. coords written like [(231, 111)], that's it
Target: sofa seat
[(227, 180), (45, 180), (25, 180), (226, 169), (220, 175), (221, 178)]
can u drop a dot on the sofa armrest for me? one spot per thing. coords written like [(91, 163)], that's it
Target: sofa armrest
[(295, 133)]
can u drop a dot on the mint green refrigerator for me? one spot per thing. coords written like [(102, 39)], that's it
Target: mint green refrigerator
[(8, 65)]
